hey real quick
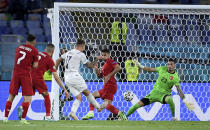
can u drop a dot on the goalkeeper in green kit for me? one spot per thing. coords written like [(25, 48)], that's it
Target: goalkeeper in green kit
[(161, 92)]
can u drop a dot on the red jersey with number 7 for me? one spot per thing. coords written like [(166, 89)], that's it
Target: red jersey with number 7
[(25, 56)]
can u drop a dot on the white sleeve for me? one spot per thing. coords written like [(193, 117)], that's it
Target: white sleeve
[(63, 56), (84, 58)]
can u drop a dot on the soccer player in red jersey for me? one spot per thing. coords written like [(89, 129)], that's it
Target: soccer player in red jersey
[(110, 68), (26, 58), (45, 63)]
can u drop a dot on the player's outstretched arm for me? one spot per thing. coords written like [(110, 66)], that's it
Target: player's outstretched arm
[(58, 61), (189, 105), (58, 80), (98, 73), (144, 67), (91, 64), (117, 68)]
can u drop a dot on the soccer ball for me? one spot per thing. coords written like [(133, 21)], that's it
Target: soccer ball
[(128, 96)]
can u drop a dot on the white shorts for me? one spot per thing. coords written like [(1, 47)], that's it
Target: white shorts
[(75, 83)]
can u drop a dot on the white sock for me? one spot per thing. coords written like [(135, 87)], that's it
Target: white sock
[(75, 106), (91, 112), (93, 101)]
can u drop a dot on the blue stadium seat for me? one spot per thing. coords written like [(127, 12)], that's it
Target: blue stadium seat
[(46, 25), (205, 78), (130, 25), (32, 24), (41, 47), (40, 38), (36, 31), (49, 38), (16, 23), (36, 17), (19, 30), (69, 38), (3, 23), (68, 46), (47, 31), (45, 18), (69, 29), (5, 30), (6, 75)]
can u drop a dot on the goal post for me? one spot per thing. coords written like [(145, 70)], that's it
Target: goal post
[(154, 34)]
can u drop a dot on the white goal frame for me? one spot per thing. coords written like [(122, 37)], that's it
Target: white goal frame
[(55, 32)]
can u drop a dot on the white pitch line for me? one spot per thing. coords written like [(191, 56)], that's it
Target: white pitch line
[(74, 126), (92, 126)]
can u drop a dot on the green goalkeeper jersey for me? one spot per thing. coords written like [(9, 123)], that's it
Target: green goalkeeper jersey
[(166, 80)]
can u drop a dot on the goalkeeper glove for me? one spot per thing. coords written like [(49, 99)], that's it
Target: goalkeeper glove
[(189, 105), (138, 64)]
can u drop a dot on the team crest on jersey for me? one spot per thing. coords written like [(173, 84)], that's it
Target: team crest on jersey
[(171, 77)]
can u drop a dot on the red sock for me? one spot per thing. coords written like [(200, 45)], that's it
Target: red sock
[(7, 108), (91, 107), (47, 104), (25, 106), (112, 109)]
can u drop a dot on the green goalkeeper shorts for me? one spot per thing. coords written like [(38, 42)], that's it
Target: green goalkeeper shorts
[(156, 96)]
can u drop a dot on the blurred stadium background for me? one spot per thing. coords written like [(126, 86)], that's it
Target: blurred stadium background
[(19, 19)]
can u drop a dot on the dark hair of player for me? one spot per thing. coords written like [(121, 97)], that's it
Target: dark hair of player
[(31, 38), (80, 42), (172, 60), (50, 47), (105, 50)]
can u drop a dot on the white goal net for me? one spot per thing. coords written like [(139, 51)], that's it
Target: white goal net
[(151, 33)]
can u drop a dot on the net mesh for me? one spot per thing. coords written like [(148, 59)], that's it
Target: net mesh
[(153, 36)]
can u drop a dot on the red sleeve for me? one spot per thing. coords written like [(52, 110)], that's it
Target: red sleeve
[(113, 63), (51, 66), (35, 55)]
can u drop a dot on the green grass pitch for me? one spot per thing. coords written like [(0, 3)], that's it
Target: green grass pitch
[(107, 125)]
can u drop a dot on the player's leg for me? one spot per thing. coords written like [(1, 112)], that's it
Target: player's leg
[(13, 91), (76, 103), (136, 106), (75, 106), (168, 99), (143, 102), (91, 99), (47, 104), (108, 105), (95, 95), (90, 114), (27, 92), (41, 87), (8, 107), (149, 99), (22, 111), (108, 96)]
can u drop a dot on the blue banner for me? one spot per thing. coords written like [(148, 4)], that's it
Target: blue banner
[(197, 93)]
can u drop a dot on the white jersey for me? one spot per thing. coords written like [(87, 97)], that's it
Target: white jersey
[(73, 58)]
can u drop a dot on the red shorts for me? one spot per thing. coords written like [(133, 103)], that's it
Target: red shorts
[(24, 81), (108, 91), (39, 85)]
